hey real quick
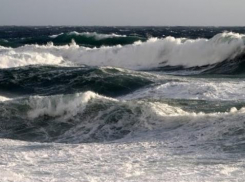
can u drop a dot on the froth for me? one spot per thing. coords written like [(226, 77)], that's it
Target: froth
[(192, 89), (2, 99), (60, 105)]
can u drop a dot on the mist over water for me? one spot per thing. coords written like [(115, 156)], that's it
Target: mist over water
[(122, 103)]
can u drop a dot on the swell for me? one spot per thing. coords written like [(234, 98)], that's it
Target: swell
[(89, 117), (49, 80)]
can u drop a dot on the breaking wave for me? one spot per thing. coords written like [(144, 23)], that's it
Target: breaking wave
[(155, 53), (89, 117)]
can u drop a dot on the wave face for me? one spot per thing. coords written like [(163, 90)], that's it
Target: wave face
[(50, 80), (122, 103)]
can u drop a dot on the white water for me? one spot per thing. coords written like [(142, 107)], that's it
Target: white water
[(198, 89), (165, 144), (151, 54), (59, 105), (139, 161), (174, 154), (14, 58), (2, 98)]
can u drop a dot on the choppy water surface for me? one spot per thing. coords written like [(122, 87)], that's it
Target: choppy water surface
[(122, 103)]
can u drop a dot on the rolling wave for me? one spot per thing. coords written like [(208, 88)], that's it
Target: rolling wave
[(48, 80), (152, 54), (89, 117)]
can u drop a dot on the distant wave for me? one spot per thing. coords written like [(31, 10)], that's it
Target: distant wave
[(89, 34), (88, 39), (94, 39), (154, 53)]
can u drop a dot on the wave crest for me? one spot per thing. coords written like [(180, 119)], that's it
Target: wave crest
[(60, 105), (90, 34)]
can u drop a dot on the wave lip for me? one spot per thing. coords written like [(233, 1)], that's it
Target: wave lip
[(59, 105)]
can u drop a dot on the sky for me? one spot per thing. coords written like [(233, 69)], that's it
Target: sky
[(123, 12)]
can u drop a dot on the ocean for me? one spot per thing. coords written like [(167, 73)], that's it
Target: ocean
[(122, 104)]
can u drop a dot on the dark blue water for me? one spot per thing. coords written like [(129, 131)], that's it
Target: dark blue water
[(19, 36)]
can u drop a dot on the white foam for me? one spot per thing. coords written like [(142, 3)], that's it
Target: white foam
[(29, 55), (2, 99), (194, 89), (151, 54), (171, 51), (133, 161), (55, 36), (60, 105)]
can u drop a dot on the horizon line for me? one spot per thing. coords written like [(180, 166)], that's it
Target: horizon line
[(122, 25)]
